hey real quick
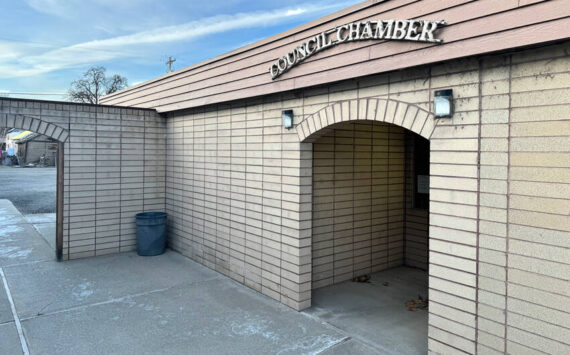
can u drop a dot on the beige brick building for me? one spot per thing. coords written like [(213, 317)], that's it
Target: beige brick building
[(341, 193)]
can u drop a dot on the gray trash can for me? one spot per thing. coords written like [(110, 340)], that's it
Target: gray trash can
[(151, 233)]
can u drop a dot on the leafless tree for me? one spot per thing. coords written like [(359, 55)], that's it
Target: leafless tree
[(94, 85)]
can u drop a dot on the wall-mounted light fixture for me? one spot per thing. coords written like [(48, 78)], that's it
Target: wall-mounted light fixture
[(443, 103), (287, 118)]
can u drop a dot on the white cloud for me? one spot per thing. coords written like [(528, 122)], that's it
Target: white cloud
[(67, 8), (13, 64), (53, 7), (15, 50)]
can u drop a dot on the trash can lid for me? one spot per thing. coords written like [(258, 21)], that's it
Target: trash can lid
[(148, 215)]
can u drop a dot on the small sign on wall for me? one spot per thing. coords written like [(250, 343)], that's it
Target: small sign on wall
[(423, 184)]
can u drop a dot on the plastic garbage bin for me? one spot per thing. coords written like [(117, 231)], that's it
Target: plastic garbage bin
[(151, 233)]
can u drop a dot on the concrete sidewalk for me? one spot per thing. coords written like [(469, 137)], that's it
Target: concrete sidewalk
[(19, 240), (375, 313), (126, 304), (44, 223)]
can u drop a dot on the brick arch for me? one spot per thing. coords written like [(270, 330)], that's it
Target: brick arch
[(36, 125), (406, 115)]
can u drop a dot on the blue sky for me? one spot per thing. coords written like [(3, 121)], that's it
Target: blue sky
[(46, 44)]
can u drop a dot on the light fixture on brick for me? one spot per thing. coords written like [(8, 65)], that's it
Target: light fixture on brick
[(443, 103), (287, 118)]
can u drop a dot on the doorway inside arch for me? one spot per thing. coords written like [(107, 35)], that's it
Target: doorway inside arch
[(370, 221), (31, 179)]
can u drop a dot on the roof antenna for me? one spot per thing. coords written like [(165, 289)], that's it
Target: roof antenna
[(169, 63)]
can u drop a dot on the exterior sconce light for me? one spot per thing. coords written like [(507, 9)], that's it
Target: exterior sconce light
[(443, 103), (287, 116)]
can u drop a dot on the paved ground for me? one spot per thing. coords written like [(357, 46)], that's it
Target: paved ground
[(32, 190), (126, 304), (44, 223), (375, 314)]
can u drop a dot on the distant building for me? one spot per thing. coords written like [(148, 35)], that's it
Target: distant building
[(29, 147)]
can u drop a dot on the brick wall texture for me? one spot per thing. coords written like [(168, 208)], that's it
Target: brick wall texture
[(240, 190), (247, 197), (114, 167), (358, 201)]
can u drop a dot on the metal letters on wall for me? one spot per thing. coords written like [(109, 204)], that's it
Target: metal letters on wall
[(400, 30)]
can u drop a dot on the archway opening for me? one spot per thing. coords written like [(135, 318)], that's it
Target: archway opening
[(31, 190), (370, 220)]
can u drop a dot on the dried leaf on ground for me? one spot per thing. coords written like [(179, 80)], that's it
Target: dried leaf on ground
[(362, 278), (417, 303)]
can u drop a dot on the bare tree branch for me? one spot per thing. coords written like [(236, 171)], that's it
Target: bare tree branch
[(94, 85), (115, 83)]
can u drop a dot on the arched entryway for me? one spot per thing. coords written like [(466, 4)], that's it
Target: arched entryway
[(370, 218), (59, 135)]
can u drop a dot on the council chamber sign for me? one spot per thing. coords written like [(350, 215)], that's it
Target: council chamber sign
[(399, 30)]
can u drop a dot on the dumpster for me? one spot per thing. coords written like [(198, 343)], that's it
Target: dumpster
[(151, 233)]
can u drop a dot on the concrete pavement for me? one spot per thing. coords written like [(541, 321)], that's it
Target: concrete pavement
[(126, 304), (19, 241), (44, 223), (374, 313)]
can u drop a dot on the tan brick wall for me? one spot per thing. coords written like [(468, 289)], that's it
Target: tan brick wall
[(239, 191), (239, 188), (235, 191), (114, 167), (358, 201), (525, 224)]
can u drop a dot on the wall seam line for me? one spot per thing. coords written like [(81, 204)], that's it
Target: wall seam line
[(508, 199), (64, 188), (96, 184), (478, 223), (120, 180)]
